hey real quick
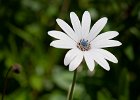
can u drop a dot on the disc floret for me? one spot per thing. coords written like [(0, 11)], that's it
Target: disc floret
[(83, 45)]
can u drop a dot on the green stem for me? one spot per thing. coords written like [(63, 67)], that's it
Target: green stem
[(70, 94), (5, 83)]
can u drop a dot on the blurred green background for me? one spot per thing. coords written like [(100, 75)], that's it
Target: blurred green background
[(23, 40)]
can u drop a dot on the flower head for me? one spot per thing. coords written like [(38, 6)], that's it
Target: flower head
[(85, 43), (16, 68)]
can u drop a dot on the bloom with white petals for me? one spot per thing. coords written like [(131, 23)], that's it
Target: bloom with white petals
[(85, 43)]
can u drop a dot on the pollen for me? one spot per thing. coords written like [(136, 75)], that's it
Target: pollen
[(83, 45)]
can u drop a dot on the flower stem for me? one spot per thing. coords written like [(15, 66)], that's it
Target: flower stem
[(5, 83), (70, 94)]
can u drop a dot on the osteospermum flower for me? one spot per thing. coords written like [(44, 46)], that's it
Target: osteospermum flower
[(85, 43)]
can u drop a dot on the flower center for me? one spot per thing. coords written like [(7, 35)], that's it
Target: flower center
[(83, 45)]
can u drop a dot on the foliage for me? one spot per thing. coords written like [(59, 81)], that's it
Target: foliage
[(23, 40)]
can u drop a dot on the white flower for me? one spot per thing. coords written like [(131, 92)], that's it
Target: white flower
[(85, 43)]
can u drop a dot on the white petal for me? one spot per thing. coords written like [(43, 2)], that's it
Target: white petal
[(76, 61), (67, 29), (96, 28), (100, 60), (106, 35), (86, 21), (107, 55), (63, 44), (105, 43), (89, 61), (59, 35), (70, 55), (76, 24)]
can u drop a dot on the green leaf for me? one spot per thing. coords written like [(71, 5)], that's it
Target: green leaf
[(129, 52), (36, 82), (123, 85), (56, 95), (104, 94), (62, 78)]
